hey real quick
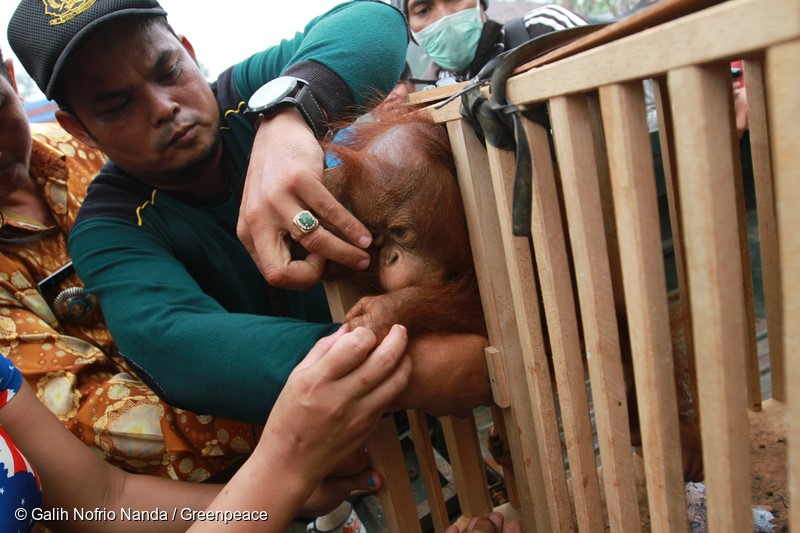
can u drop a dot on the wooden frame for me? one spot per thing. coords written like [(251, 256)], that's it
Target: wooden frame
[(595, 238)]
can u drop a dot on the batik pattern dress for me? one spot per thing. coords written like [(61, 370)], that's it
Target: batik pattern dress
[(71, 363)]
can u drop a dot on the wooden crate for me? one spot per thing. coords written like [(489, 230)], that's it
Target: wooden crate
[(597, 244)]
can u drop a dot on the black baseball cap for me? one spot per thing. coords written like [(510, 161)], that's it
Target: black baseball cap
[(44, 34)]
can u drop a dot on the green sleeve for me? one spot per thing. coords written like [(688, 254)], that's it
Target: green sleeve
[(361, 42), (197, 355)]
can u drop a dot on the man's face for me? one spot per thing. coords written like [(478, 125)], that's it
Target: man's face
[(139, 94), (15, 140), (423, 13)]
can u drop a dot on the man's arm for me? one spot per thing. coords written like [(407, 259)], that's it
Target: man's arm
[(193, 352), (349, 56), (199, 356), (449, 376)]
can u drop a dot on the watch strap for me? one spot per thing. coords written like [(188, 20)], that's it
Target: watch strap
[(311, 110), (303, 99)]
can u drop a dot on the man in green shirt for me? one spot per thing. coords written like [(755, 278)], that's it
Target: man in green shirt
[(156, 239)]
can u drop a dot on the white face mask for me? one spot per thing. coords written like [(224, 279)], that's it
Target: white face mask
[(452, 40)]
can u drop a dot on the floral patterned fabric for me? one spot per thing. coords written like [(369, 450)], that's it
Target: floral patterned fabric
[(72, 366)]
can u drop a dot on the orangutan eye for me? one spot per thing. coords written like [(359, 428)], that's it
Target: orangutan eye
[(398, 233)]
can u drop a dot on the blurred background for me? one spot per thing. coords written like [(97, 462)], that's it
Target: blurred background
[(224, 37)]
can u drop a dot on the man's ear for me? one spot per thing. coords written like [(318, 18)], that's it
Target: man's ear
[(74, 127), (188, 46)]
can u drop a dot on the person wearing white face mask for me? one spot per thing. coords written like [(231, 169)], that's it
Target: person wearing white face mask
[(460, 39)]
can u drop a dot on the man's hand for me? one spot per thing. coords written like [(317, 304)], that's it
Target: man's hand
[(334, 490), (449, 375), (285, 177)]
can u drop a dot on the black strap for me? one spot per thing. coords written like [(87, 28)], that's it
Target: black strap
[(500, 123), (490, 45)]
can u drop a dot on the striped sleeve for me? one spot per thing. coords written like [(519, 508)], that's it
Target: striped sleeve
[(550, 18)]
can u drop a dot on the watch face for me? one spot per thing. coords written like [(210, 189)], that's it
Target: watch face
[(272, 93)]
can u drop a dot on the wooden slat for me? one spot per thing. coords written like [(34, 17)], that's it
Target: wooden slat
[(606, 198), (341, 296), (783, 78), (636, 206), (472, 169), (703, 121), (430, 473), (383, 446), (559, 302), (519, 306), (731, 29), (767, 224), (752, 373), (398, 503), (397, 498), (525, 299), (658, 13), (670, 169), (593, 274), (655, 14), (497, 375), (665, 138), (509, 478), (469, 472)]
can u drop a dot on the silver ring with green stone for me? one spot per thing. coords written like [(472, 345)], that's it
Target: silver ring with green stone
[(305, 221)]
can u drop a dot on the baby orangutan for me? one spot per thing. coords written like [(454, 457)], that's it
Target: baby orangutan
[(397, 176)]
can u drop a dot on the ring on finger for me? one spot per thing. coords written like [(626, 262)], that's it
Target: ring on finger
[(305, 221)]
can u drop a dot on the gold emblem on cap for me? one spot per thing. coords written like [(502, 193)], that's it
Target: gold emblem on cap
[(65, 10)]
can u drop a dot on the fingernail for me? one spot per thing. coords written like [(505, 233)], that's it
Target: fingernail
[(364, 263), (365, 240), (372, 481)]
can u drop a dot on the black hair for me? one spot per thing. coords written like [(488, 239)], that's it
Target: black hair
[(11, 236), (406, 72)]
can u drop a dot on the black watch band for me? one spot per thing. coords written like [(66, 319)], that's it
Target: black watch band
[(311, 111), (285, 91)]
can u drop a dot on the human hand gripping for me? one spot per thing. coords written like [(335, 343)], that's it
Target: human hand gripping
[(284, 178), (335, 398), (330, 404)]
